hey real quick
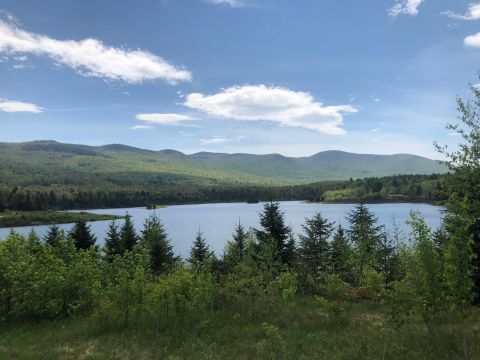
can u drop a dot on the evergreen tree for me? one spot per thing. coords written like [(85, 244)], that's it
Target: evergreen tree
[(314, 244), (387, 259), (200, 252), (82, 235), (113, 242), (364, 235), (340, 255), (155, 238), (272, 221), (128, 236), (235, 248), (54, 235)]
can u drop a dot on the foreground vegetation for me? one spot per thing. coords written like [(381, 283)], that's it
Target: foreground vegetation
[(28, 218), (303, 330)]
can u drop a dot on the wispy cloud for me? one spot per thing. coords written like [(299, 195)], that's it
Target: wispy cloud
[(214, 140), (233, 3), (274, 104), (91, 57), (165, 119), (473, 13), (141, 127), (405, 7), (18, 106)]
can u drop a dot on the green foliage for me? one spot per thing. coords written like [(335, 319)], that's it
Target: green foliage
[(155, 238), (200, 254), (54, 235), (276, 233), (364, 234), (123, 299), (41, 281), (82, 234), (26, 218), (235, 248), (113, 242), (424, 272), (341, 260), (128, 236), (314, 246)]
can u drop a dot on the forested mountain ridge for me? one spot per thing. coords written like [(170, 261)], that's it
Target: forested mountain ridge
[(47, 163)]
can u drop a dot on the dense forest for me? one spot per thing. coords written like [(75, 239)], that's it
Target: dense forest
[(332, 292), (424, 188)]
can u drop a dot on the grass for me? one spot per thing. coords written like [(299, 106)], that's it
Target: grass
[(300, 331), (29, 218)]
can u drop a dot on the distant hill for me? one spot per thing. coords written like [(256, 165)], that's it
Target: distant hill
[(47, 163)]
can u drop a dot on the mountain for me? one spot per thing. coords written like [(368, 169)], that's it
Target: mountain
[(47, 163)]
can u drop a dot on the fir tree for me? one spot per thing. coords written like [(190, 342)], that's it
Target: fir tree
[(128, 236), (387, 260), (235, 248), (314, 244), (54, 235), (200, 252), (113, 242), (273, 225), (155, 238), (364, 235), (340, 255), (82, 235)]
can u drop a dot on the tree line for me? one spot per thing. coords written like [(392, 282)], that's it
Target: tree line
[(426, 188)]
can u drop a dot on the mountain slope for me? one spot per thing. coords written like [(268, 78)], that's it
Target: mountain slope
[(47, 163), (327, 165)]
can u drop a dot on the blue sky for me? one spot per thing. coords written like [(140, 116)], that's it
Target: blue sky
[(258, 76)]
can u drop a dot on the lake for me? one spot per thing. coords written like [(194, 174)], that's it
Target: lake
[(217, 221)]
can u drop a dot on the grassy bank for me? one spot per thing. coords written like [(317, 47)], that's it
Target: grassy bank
[(30, 218), (300, 331)]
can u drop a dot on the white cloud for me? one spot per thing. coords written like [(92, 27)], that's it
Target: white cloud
[(141, 127), (90, 57), (275, 104), (214, 140), (405, 7), (164, 119), (376, 130), (472, 41), (18, 106), (473, 13), (233, 3)]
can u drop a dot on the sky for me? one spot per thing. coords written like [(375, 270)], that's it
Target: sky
[(255, 76)]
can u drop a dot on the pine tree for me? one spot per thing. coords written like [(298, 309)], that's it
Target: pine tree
[(387, 261), (340, 256), (235, 248), (54, 235), (200, 252), (155, 238), (273, 225), (82, 235), (128, 236), (314, 244), (113, 242), (364, 235)]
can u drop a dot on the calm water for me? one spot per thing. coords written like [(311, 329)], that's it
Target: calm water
[(217, 221)]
